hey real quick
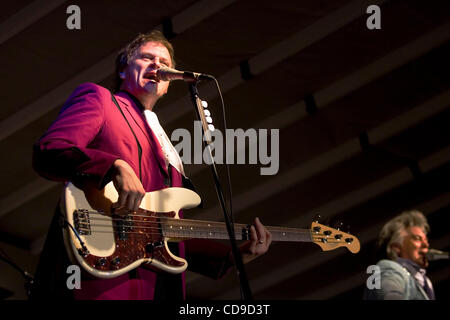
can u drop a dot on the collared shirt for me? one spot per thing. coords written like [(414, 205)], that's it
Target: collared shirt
[(170, 154), (419, 274)]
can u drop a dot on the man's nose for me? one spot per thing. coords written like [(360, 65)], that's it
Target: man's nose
[(156, 63)]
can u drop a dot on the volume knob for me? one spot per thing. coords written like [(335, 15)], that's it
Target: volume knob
[(115, 261)]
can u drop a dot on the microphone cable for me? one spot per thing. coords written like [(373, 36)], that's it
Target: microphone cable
[(230, 191)]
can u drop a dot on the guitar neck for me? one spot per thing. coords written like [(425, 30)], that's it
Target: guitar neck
[(189, 229)]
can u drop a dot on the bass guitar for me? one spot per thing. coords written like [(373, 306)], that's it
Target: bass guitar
[(107, 244)]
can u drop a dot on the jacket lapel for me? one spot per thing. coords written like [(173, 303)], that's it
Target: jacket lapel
[(133, 111), (420, 288), (410, 270)]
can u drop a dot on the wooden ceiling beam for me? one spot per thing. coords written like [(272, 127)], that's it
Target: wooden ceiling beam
[(26, 17), (273, 55)]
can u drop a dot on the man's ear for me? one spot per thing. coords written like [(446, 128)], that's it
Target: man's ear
[(396, 248)]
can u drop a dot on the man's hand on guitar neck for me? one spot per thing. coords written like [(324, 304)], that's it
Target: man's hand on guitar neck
[(260, 240), (128, 186)]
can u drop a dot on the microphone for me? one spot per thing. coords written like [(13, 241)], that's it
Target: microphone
[(169, 74), (433, 255)]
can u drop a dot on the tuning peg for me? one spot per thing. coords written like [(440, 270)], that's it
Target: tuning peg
[(207, 113), (211, 127), (317, 218), (204, 104), (338, 225), (208, 119)]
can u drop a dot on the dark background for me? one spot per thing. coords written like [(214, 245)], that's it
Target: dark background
[(363, 118)]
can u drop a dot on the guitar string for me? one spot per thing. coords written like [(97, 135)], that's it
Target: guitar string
[(215, 236), (196, 223), (157, 233), (318, 237), (177, 223), (161, 231), (137, 223), (154, 217), (87, 225), (174, 220), (184, 221), (145, 234), (212, 227), (209, 233)]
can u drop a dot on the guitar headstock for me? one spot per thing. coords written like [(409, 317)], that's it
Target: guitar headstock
[(329, 239)]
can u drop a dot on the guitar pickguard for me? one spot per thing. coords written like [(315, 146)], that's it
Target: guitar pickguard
[(117, 244)]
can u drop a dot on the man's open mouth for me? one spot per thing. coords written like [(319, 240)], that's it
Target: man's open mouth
[(151, 76)]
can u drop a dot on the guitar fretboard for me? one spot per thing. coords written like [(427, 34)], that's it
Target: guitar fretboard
[(185, 228)]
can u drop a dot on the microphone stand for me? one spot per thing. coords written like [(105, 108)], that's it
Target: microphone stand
[(245, 287)]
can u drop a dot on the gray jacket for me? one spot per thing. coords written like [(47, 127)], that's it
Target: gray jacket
[(397, 283)]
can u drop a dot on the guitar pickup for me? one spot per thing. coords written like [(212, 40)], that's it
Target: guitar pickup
[(124, 225), (81, 221)]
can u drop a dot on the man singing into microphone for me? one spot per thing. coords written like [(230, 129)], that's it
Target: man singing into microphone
[(98, 138), (402, 276)]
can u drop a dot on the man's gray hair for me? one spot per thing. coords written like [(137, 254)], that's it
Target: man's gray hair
[(394, 230)]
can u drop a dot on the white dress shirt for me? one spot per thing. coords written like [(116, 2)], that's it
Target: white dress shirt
[(171, 155)]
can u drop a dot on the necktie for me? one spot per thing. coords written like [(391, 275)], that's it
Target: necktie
[(429, 291)]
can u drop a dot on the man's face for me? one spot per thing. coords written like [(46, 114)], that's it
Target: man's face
[(415, 246), (139, 76)]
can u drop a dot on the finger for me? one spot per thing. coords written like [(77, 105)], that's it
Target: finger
[(130, 202), (253, 234), (138, 201), (115, 205), (268, 237), (137, 194), (136, 204), (254, 240), (260, 230), (122, 199)]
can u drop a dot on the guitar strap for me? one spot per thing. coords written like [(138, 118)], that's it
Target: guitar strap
[(132, 131)]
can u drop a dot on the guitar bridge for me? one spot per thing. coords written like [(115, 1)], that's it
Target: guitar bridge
[(82, 223)]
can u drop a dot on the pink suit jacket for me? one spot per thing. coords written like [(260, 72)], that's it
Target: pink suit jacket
[(81, 145)]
